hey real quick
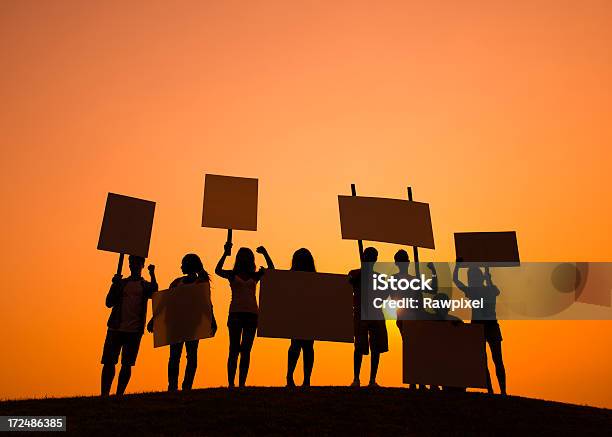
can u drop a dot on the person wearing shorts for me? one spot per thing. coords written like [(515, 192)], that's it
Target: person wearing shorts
[(243, 309), (370, 335), (127, 299)]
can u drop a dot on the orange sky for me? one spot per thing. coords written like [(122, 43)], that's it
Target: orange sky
[(497, 113)]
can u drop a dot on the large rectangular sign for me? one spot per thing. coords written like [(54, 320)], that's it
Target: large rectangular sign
[(182, 313), (305, 306), (127, 224), (499, 248), (444, 354), (387, 220), (230, 202)]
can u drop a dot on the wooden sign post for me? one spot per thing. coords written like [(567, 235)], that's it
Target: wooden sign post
[(359, 242), (415, 249)]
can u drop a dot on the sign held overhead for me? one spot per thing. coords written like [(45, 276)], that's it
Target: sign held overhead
[(497, 248), (386, 220), (127, 225), (230, 202)]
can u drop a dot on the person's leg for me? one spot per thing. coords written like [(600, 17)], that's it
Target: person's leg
[(500, 371), (235, 332), (124, 378), (357, 359), (110, 357), (129, 353), (308, 348), (248, 336), (108, 374), (374, 360), (489, 386), (292, 358), (192, 363), (379, 343), (174, 362), (362, 348)]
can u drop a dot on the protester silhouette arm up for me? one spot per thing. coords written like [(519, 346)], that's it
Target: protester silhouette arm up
[(460, 285), (262, 250), (489, 281), (434, 276), (152, 286), (227, 274)]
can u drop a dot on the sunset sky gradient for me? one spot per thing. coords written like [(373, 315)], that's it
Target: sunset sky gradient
[(497, 113)]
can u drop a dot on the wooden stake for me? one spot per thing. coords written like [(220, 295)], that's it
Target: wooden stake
[(359, 242), (120, 264), (415, 250)]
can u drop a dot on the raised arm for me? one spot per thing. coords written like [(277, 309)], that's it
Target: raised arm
[(460, 285), (489, 281), (153, 287), (487, 277), (219, 269), (434, 276), (266, 255)]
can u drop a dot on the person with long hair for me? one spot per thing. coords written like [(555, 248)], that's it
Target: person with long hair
[(304, 262), (243, 310), (194, 272)]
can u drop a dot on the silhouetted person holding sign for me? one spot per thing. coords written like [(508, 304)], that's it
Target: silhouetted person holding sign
[(370, 335), (304, 262), (193, 269), (128, 299), (243, 310), (481, 286)]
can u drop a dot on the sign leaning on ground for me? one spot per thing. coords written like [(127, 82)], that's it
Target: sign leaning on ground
[(444, 354), (127, 225), (386, 220)]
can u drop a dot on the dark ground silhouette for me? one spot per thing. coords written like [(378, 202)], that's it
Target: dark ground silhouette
[(317, 411)]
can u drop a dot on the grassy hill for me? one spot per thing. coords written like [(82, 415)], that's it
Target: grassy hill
[(316, 411)]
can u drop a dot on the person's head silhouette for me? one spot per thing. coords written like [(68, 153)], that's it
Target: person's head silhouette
[(370, 255), (245, 261), (191, 264), (402, 260), (475, 277), (136, 264), (303, 261)]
